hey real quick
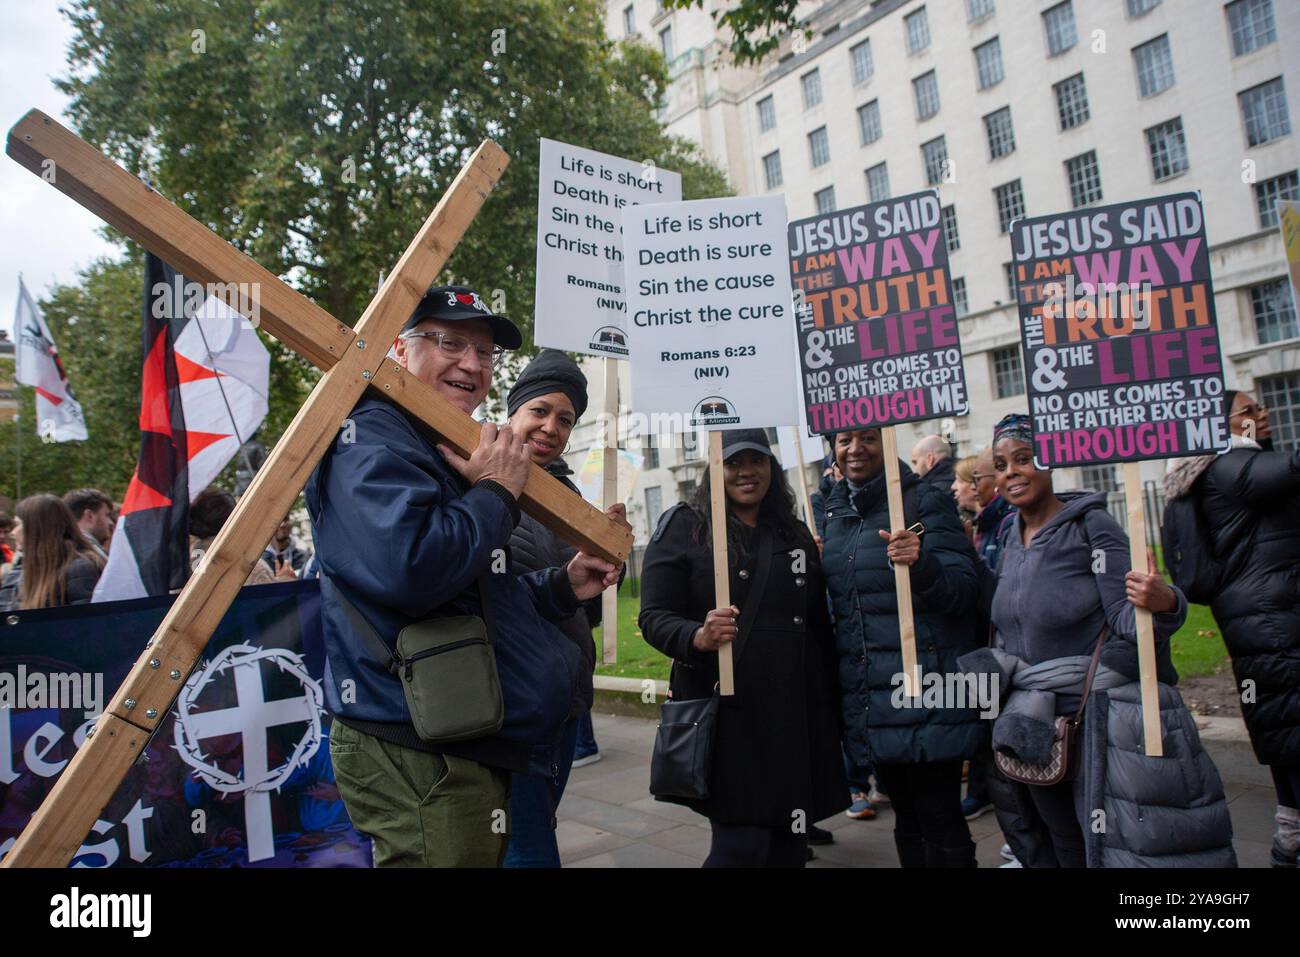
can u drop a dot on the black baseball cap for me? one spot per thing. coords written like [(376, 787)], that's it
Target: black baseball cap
[(454, 303), (741, 440)]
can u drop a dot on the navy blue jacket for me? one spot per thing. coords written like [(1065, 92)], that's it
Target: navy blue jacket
[(403, 537), (865, 606)]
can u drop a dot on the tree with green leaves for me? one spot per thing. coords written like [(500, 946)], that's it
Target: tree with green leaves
[(316, 138)]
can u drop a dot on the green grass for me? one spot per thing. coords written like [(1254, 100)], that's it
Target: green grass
[(1197, 647)]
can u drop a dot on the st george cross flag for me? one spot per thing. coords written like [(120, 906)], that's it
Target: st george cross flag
[(203, 393), (58, 414)]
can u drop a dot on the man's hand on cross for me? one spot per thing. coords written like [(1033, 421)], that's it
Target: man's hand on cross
[(501, 457)]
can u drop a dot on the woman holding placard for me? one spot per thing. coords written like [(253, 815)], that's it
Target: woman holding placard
[(917, 747), (1066, 647), (775, 765)]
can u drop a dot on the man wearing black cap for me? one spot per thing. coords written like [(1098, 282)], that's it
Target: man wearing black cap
[(408, 531)]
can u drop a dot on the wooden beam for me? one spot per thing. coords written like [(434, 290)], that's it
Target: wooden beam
[(902, 573), (555, 506), (150, 689), (1146, 632), (73, 166)]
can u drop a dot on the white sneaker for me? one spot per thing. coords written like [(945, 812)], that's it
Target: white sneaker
[(1005, 851), (1011, 863), (584, 761), (877, 797)]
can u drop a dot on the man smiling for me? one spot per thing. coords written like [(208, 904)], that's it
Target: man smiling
[(408, 531)]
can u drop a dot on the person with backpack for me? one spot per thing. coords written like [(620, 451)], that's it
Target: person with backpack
[(1231, 539), (1066, 631), (917, 750)]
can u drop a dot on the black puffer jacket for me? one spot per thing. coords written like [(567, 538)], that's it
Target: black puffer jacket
[(534, 547), (776, 750), (865, 605), (1251, 503), (79, 580)]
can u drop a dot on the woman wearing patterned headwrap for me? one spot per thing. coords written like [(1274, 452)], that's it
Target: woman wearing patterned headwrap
[(1064, 575)]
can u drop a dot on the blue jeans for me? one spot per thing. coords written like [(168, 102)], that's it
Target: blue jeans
[(586, 736), (857, 774), (533, 802)]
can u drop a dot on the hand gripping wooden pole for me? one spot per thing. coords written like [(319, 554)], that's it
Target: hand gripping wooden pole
[(1146, 632), (353, 360), (902, 574)]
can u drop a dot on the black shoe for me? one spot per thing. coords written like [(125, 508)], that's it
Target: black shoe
[(811, 855), (1280, 858), (819, 835), (911, 849)]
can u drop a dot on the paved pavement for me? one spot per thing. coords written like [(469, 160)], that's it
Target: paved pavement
[(609, 819)]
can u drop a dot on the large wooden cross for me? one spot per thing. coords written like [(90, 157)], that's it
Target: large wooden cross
[(353, 360)]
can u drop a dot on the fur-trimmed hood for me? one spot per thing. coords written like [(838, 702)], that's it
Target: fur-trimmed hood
[(1183, 473)]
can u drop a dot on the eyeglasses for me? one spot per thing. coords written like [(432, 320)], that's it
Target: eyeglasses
[(453, 346)]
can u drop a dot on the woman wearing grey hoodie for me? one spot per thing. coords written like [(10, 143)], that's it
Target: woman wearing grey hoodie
[(1064, 576)]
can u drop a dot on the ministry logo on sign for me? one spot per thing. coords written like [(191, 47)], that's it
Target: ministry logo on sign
[(609, 339), (714, 411)]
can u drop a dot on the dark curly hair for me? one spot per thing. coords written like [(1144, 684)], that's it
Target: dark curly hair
[(776, 510)]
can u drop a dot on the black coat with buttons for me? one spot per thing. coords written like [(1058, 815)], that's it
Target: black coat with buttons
[(776, 758), (865, 605)]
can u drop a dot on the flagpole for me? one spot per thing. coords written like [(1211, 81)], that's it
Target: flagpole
[(18, 453)]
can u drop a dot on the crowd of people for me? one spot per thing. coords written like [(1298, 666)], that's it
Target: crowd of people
[(53, 550), (1014, 581)]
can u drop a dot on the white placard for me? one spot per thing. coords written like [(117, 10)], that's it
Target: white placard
[(580, 297), (711, 323), (814, 449)]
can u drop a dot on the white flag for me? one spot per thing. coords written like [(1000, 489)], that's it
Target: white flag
[(58, 414)]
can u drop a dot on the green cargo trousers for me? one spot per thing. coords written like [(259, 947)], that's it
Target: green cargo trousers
[(421, 809)]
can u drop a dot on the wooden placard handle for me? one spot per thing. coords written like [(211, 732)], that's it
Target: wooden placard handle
[(803, 481), (902, 574), (1146, 632), (721, 574), (609, 496)]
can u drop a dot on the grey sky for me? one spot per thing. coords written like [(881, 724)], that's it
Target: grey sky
[(43, 234)]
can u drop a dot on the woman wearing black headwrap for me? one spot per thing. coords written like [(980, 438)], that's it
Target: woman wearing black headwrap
[(547, 400)]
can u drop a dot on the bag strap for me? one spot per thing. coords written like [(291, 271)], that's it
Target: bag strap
[(755, 596), (1092, 672)]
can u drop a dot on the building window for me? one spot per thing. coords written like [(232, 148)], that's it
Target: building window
[(1008, 374), (926, 90), (690, 447), (869, 122), (654, 505), (1274, 312), (1138, 7), (1058, 21), (629, 20), (1168, 149), (978, 9), (959, 303), (1084, 177), (825, 200), (666, 42), (650, 453), (1009, 274), (878, 183), (772, 169), (950, 234), (1251, 25), (918, 31), (819, 147), (1155, 66), (988, 63), (1269, 191), (1099, 478), (812, 88), (935, 155), (766, 114), (1263, 110), (1011, 203), (1072, 102), (1281, 393), (1001, 134), (863, 64)]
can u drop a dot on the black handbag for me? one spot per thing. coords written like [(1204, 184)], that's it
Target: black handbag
[(683, 754)]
